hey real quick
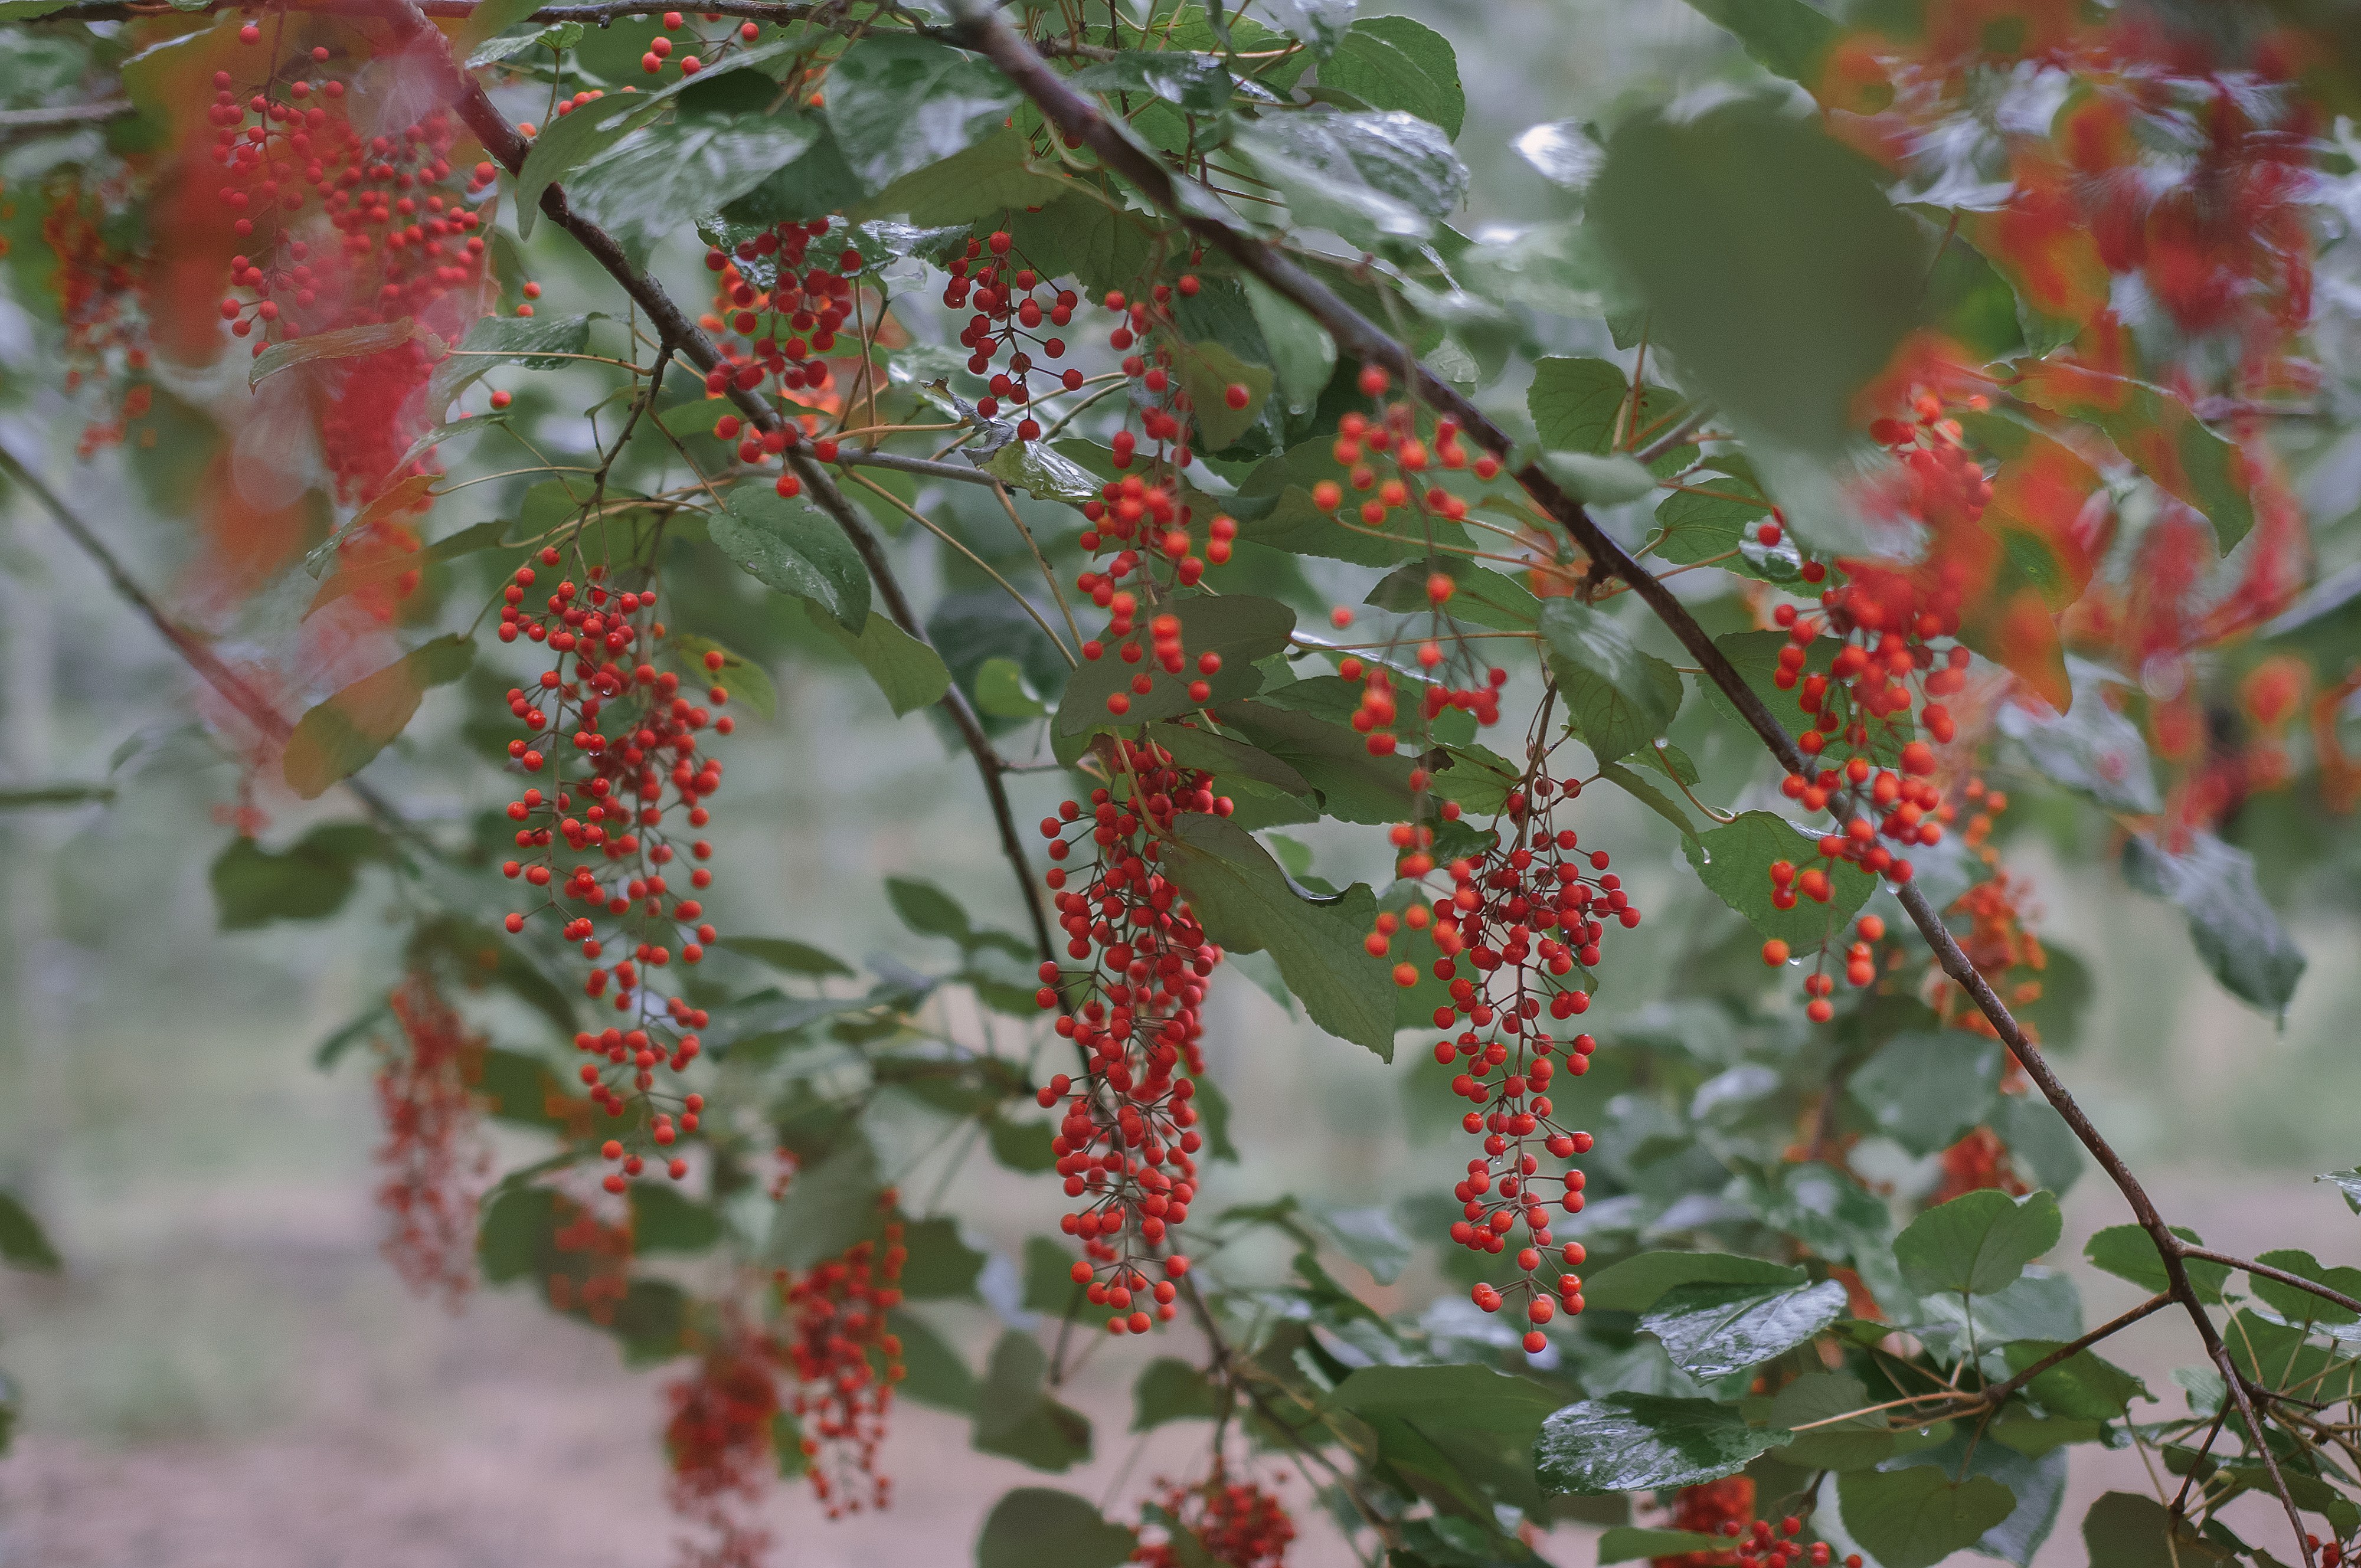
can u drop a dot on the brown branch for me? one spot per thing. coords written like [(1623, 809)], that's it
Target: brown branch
[(460, 88), (258, 709), (2268, 1272), (830, 14), (986, 33), (1998, 1392)]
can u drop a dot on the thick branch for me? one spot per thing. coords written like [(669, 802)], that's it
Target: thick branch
[(688, 340)]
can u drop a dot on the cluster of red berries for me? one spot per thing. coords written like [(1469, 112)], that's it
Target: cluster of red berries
[(660, 49), (102, 297), (1162, 650), (1006, 297), (1860, 957), (1523, 916), (1236, 1524), (1129, 1138), (596, 1283), (1142, 521), (784, 315), (435, 1159), (1874, 771), (1392, 438), (619, 744), (719, 1438), (846, 1359)]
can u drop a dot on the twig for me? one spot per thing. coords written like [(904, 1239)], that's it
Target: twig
[(64, 115), (1998, 1392), (2268, 1272)]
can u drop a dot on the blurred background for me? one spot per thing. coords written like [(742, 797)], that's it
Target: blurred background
[(225, 1372)]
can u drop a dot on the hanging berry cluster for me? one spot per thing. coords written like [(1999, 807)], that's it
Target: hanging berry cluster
[(719, 1437), (1523, 916), (395, 238), (102, 297), (1726, 1508), (783, 322), (661, 49), (1884, 640), (1005, 296), (1234, 1523), (846, 1359), (1129, 1138), (434, 1159), (618, 744)]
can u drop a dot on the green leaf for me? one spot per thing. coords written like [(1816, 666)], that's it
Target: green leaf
[(1478, 594), (1333, 760), (897, 104), (308, 881), (339, 343), (1624, 1542), (529, 342), (1448, 1398), (979, 182), (1171, 1390), (1039, 1527), (1370, 1238), (1577, 405), (1393, 62), (1712, 1331), (940, 1264), (2348, 1182), (2302, 1306), (1197, 83), (1857, 1443), (1100, 244), (572, 140), (1637, 1283), (23, 1243), (1648, 794), (2082, 1386), (1598, 481), (555, 36), (933, 1372), (1044, 472), (1242, 900), (929, 910), (1916, 1517), (785, 953), (743, 679), (1362, 175), (1697, 526), (1303, 355), (1241, 628), (829, 1205), (2234, 928), (1207, 371), (1631, 1442), (340, 737), (1735, 860), (1926, 1091), (1768, 260), (664, 1220), (1228, 759), (2130, 1530), (353, 1032), (1785, 38), (1002, 691), (1618, 697), (1977, 1244), (794, 547), (910, 674), (640, 191), (1017, 1418)]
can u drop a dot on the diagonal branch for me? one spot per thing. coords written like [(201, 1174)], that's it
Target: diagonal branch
[(2281, 1275), (986, 32), (462, 91)]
